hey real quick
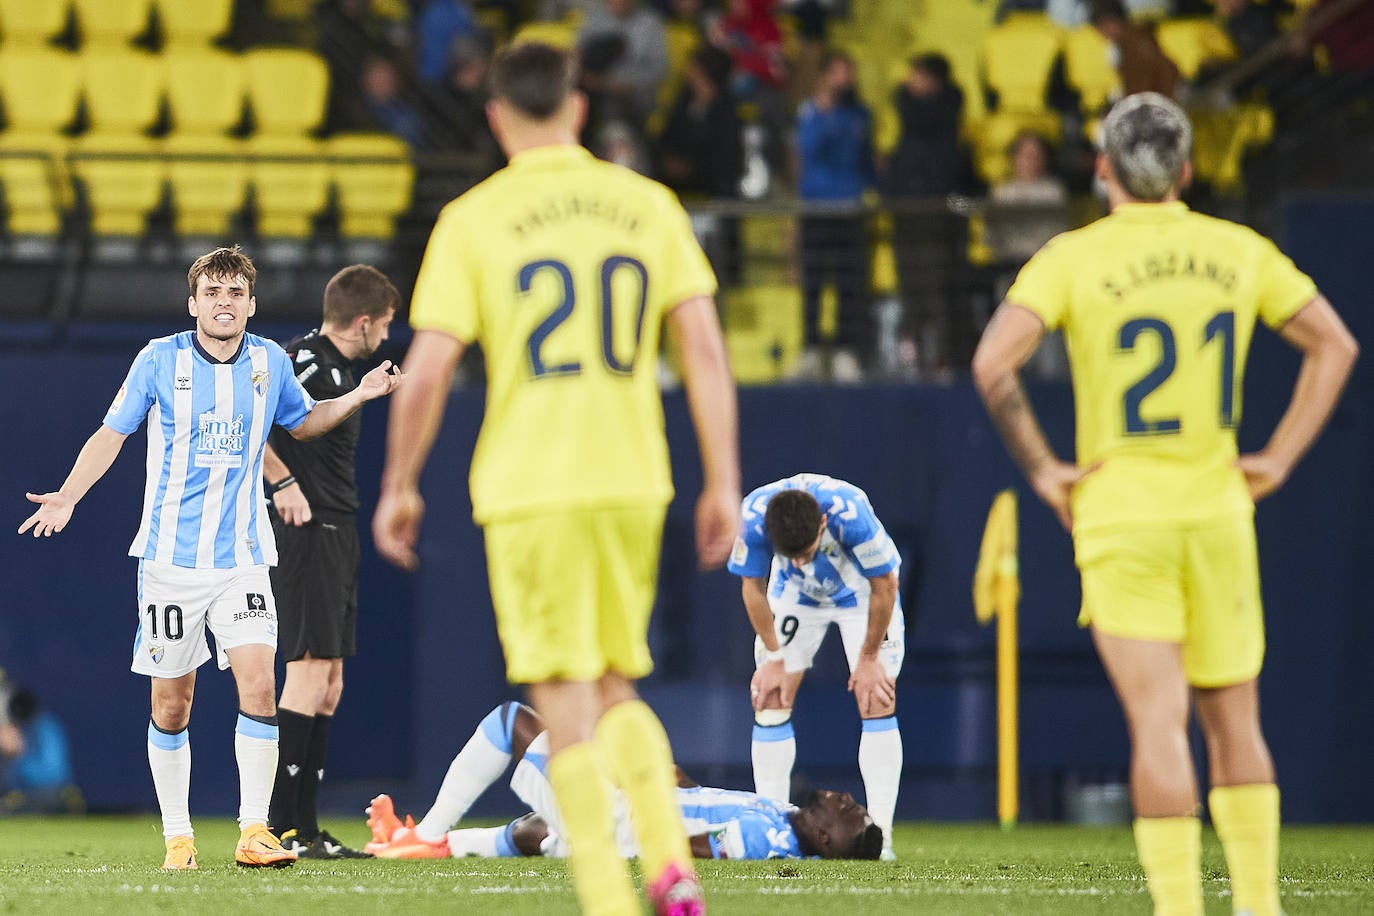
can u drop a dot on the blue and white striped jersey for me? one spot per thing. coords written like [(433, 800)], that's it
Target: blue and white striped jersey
[(740, 825), (207, 424), (854, 546)]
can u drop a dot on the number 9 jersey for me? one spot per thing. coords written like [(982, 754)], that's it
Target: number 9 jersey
[(1158, 305), (563, 268)]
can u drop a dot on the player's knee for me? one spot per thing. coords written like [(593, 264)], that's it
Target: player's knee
[(171, 714), (772, 718)]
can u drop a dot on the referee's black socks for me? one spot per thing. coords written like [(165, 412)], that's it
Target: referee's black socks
[(293, 752)]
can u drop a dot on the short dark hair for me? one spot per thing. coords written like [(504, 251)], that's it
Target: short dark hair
[(1107, 9), (355, 291), (792, 521), (223, 263), (833, 54), (934, 63), (534, 78), (715, 63), (867, 845)]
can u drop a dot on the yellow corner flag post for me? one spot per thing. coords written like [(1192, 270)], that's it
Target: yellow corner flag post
[(996, 591)]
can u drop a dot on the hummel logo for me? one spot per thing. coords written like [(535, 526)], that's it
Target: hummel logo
[(292, 769)]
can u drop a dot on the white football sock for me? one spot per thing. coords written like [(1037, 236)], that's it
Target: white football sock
[(255, 749), (774, 751), (880, 764), (169, 757), (487, 842), (479, 764)]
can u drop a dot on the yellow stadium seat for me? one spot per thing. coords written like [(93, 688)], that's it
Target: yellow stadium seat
[(290, 181), (124, 176), (194, 22), (999, 129), (1222, 138), (39, 88), (1192, 42), (682, 41), (557, 34), (32, 22), (287, 88), (209, 179), (763, 331), (1018, 55), (111, 22), (288, 10), (1088, 68), (122, 88), (205, 90), (373, 178)]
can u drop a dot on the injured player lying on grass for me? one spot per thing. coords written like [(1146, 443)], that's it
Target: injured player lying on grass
[(721, 823)]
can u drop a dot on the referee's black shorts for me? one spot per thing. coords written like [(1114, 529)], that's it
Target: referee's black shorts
[(315, 583)]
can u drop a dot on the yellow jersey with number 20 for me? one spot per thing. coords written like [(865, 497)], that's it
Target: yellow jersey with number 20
[(563, 267), (1158, 305)]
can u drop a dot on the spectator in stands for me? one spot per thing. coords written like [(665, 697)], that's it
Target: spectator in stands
[(700, 151), (927, 239), (439, 25), (749, 32), (387, 109), (695, 13), (624, 58), (1250, 24), (35, 769), (350, 34), (463, 103), (1033, 187), (835, 168), (812, 18), (1143, 66), (1070, 14)]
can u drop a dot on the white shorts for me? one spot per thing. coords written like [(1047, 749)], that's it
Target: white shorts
[(177, 603), (531, 786), (801, 630)]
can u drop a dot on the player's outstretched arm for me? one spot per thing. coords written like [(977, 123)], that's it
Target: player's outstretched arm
[(55, 509), (695, 329), (416, 414), (1009, 340), (380, 382), (1329, 352)]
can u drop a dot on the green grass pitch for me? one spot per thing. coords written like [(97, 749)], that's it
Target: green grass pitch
[(110, 865)]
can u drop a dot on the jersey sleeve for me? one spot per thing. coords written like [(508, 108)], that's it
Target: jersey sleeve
[(294, 403), (860, 532), (686, 273), (752, 556), (1283, 289), (446, 290), (1043, 286), (136, 395)]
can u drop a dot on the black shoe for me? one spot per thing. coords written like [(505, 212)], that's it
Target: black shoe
[(324, 846)]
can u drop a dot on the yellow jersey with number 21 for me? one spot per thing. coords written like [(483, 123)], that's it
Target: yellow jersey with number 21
[(563, 267), (1158, 305)]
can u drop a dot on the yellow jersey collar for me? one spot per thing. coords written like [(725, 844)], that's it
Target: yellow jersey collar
[(1150, 211), (554, 155)]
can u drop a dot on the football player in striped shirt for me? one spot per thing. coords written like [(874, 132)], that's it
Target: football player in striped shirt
[(210, 397)]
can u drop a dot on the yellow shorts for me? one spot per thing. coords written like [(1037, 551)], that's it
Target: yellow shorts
[(1196, 584), (573, 591)]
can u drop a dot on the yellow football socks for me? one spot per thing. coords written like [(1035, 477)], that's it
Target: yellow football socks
[(1170, 850), (600, 878), (1247, 820), (636, 750)]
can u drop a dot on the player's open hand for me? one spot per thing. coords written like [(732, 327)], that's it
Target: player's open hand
[(382, 380), (55, 510), (1263, 473), (292, 506), (717, 523), (1054, 481), (396, 527), (873, 688)]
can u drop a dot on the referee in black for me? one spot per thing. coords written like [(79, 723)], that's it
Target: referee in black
[(314, 495)]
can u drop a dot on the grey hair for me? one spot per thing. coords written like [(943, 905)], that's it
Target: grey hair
[(1147, 138)]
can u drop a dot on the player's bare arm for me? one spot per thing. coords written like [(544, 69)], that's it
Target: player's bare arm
[(415, 417), (771, 687), (695, 329), (1009, 340), (55, 509), (874, 690), (289, 500), (378, 383), (1328, 355)]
